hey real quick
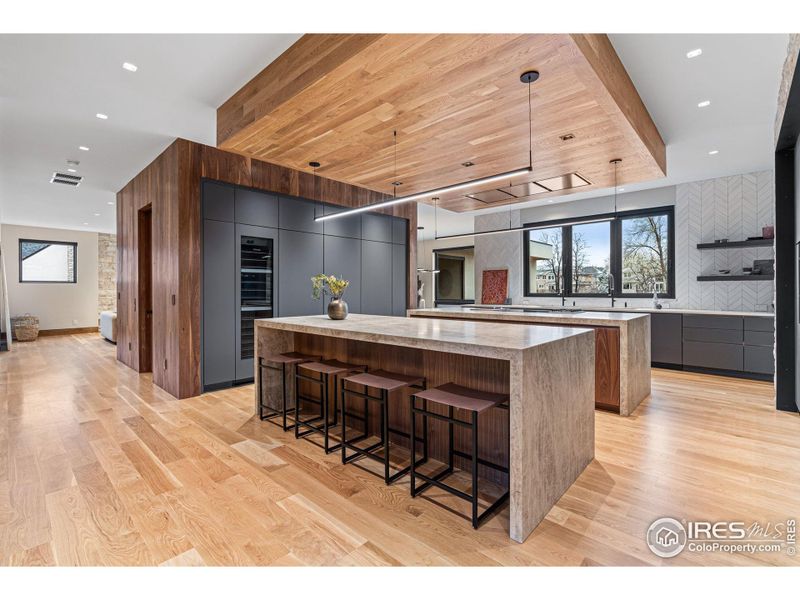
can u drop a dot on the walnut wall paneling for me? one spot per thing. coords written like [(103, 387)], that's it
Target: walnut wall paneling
[(170, 185)]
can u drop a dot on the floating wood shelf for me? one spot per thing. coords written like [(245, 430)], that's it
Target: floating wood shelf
[(735, 278), (739, 244)]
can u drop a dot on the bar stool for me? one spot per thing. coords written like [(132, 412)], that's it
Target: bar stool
[(324, 371), (385, 382), (476, 402), (284, 360)]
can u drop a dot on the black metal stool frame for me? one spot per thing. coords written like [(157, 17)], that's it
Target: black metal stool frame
[(311, 424), (436, 480), (369, 451), (262, 363)]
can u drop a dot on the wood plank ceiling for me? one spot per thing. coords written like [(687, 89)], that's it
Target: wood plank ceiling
[(452, 99)]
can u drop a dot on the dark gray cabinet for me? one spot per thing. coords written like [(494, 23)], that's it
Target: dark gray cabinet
[(349, 226), (299, 259), (399, 230), (255, 208), (217, 201), (219, 304), (298, 215), (399, 280), (368, 249), (376, 278), (376, 227), (666, 343), (342, 257), (759, 359), (713, 322), (709, 355)]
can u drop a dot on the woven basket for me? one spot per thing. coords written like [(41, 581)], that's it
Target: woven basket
[(26, 328)]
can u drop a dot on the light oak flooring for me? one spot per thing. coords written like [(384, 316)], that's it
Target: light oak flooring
[(99, 467)]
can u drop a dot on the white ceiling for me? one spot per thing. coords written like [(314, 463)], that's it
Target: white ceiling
[(739, 73), (51, 87)]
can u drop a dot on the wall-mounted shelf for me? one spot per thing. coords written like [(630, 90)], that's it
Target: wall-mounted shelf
[(735, 277), (739, 244)]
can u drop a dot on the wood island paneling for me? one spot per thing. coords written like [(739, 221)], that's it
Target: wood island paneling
[(170, 188)]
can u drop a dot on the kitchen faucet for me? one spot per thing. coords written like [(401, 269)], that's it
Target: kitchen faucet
[(611, 288)]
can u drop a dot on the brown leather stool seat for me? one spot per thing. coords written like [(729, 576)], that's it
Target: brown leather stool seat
[(285, 360), (324, 371), (385, 382), (475, 402)]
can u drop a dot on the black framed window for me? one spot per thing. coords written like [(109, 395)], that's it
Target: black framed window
[(629, 254), (43, 261)]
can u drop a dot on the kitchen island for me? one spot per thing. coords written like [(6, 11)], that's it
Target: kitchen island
[(622, 355), (547, 436)]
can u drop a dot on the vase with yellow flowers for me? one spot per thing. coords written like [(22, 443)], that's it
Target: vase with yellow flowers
[(334, 287)]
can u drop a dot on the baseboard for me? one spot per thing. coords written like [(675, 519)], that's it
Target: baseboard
[(70, 331)]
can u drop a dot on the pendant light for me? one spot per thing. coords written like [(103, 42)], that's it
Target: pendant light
[(527, 77)]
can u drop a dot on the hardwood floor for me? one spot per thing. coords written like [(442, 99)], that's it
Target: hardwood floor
[(98, 466)]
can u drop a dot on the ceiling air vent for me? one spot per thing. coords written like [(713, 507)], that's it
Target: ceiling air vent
[(66, 179)]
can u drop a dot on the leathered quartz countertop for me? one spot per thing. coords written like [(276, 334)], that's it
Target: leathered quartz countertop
[(631, 309), (486, 339), (607, 319)]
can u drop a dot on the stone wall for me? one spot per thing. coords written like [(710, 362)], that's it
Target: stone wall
[(106, 271)]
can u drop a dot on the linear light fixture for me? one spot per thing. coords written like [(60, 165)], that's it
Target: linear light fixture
[(517, 229), (527, 77), (420, 195)]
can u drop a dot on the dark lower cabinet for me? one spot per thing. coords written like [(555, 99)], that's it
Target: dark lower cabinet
[(710, 355), (342, 258), (666, 342), (376, 277), (759, 359), (219, 303), (299, 260)]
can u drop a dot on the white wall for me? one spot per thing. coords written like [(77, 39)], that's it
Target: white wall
[(58, 305), (734, 207)]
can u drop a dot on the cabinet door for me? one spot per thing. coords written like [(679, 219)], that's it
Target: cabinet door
[(219, 303), (376, 278), (713, 322), (376, 227), (711, 355), (299, 259), (299, 215), (349, 226), (665, 338), (342, 257), (399, 230), (256, 208), (759, 359), (399, 280), (218, 201), (759, 323)]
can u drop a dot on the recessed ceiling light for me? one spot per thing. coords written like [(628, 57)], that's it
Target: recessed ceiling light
[(621, 189), (110, 203), (694, 53), (549, 201), (85, 223), (96, 214), (397, 183), (713, 152), (84, 148), (704, 103), (130, 67), (101, 116), (72, 170), (469, 163)]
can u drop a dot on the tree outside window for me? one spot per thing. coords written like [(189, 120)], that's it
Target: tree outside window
[(645, 254)]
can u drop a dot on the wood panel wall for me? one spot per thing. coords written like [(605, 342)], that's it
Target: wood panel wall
[(171, 186)]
